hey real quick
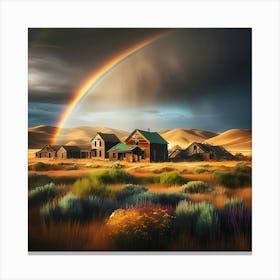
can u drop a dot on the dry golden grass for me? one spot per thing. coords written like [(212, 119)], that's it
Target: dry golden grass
[(158, 188), (141, 170), (220, 195)]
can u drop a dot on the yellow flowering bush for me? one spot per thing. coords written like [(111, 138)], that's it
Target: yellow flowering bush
[(140, 228)]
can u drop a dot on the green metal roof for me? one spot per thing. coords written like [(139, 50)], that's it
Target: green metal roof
[(121, 147), (153, 137)]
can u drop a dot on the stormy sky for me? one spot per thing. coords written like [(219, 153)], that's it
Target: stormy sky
[(198, 78)]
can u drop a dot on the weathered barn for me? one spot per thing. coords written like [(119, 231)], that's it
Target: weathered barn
[(201, 151), (101, 143), (48, 151), (153, 145), (68, 152), (121, 151), (176, 154)]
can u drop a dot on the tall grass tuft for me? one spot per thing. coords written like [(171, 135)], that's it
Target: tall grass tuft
[(128, 191), (200, 219), (171, 179), (239, 176), (42, 194), (36, 180), (72, 208), (147, 198), (96, 183), (235, 217), (41, 166), (196, 187), (117, 165)]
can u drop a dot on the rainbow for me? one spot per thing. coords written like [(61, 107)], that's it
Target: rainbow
[(96, 76)]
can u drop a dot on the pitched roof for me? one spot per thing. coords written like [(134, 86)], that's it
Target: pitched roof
[(71, 148), (122, 147), (108, 137), (53, 147), (152, 137), (218, 150)]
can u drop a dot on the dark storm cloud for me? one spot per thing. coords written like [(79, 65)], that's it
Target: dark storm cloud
[(207, 70), (43, 113), (211, 59), (61, 58)]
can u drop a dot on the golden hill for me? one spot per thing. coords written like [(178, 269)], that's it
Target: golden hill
[(234, 140), (39, 136), (185, 136)]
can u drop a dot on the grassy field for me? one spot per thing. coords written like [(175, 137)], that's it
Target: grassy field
[(80, 204)]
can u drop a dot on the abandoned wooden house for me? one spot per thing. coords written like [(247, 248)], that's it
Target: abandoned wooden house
[(121, 151), (202, 151), (176, 154), (153, 145), (101, 143), (48, 151), (68, 152)]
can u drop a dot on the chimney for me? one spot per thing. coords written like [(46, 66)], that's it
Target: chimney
[(149, 129)]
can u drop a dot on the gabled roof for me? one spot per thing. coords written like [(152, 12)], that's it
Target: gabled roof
[(217, 150), (71, 148), (53, 147), (122, 147), (152, 137), (107, 137)]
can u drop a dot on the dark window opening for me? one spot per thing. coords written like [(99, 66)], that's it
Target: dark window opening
[(100, 153)]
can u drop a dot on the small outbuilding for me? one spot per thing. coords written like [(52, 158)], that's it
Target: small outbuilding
[(121, 151), (68, 152), (202, 151), (48, 151)]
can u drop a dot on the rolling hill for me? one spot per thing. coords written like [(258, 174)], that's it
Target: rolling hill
[(39, 136), (234, 140), (185, 136)]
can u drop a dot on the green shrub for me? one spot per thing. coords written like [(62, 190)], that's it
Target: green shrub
[(171, 179), (42, 194), (72, 208), (201, 170), (231, 202), (36, 180), (148, 180), (196, 187), (208, 220), (147, 198), (200, 218), (117, 165), (111, 177), (86, 187), (164, 169), (96, 183), (40, 166), (239, 176), (129, 190)]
